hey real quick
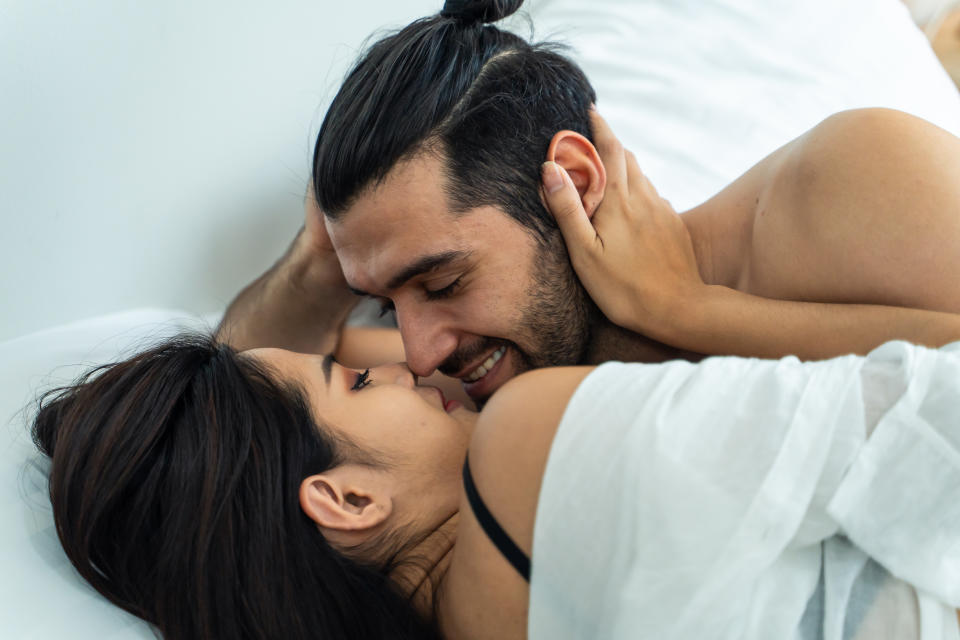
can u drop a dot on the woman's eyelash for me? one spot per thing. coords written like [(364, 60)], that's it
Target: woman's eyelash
[(363, 379), (445, 292), (386, 307)]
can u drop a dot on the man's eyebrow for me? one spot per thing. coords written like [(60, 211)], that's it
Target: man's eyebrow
[(422, 265)]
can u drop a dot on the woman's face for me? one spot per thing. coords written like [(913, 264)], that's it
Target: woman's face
[(422, 437)]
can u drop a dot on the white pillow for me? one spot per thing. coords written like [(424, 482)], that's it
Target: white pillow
[(42, 595), (701, 90)]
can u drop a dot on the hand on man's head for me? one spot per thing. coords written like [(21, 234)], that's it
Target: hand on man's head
[(634, 255)]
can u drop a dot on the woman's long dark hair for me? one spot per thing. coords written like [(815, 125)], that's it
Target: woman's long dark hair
[(174, 480)]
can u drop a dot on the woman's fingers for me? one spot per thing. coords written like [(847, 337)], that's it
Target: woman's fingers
[(564, 203), (610, 150), (636, 178)]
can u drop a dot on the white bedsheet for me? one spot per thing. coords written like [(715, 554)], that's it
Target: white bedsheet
[(700, 90), (41, 596), (716, 500)]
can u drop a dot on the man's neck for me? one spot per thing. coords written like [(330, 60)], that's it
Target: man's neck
[(720, 235), (611, 342)]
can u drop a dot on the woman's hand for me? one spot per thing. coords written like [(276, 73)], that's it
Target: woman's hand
[(635, 257)]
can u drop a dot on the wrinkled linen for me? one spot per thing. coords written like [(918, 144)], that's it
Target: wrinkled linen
[(755, 499)]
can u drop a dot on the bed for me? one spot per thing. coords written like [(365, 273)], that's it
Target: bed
[(123, 247)]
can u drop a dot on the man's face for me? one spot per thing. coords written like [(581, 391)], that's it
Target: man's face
[(476, 296)]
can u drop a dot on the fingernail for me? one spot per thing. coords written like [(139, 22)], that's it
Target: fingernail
[(552, 178)]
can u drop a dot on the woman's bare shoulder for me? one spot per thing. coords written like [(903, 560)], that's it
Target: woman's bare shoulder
[(484, 596), (509, 450)]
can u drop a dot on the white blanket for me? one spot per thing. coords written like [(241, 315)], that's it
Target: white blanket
[(755, 499)]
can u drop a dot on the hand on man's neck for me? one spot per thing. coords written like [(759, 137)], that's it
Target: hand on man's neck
[(612, 342)]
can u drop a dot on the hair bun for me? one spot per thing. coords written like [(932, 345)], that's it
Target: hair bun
[(484, 11)]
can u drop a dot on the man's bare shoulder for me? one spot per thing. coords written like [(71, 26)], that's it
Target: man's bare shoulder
[(865, 207), (865, 148), (875, 124)]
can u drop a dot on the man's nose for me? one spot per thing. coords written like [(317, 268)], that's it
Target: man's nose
[(427, 339)]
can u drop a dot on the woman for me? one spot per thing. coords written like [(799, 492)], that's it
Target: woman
[(270, 494), (174, 482)]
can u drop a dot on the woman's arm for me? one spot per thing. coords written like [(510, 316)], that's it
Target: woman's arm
[(483, 595), (720, 320), (864, 209)]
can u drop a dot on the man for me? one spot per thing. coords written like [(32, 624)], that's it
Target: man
[(427, 172)]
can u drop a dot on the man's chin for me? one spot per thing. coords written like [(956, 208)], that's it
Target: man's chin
[(508, 366)]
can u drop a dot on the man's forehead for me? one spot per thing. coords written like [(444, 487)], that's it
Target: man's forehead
[(412, 194)]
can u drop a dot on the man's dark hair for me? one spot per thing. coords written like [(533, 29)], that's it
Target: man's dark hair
[(483, 99)]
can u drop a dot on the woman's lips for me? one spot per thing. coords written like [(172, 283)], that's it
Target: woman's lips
[(448, 405)]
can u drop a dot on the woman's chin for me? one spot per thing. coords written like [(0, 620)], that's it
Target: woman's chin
[(464, 416)]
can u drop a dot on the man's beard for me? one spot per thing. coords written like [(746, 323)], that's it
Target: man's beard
[(555, 323), (559, 315)]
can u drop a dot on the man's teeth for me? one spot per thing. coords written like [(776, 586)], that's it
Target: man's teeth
[(482, 370)]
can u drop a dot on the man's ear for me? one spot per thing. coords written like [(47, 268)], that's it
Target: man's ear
[(580, 159), (347, 499)]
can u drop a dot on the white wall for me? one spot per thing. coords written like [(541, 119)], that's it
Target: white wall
[(154, 153), (184, 128)]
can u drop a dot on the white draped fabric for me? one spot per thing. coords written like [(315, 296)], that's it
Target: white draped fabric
[(755, 499)]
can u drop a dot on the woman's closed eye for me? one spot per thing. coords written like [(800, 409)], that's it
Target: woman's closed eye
[(363, 379)]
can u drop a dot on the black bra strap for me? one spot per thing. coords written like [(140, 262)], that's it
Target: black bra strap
[(494, 531)]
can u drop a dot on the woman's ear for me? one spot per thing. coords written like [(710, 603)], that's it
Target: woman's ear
[(580, 159), (347, 499)]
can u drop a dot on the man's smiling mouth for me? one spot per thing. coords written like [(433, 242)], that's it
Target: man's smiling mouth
[(486, 366)]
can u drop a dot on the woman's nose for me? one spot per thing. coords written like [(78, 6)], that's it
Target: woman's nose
[(398, 373)]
